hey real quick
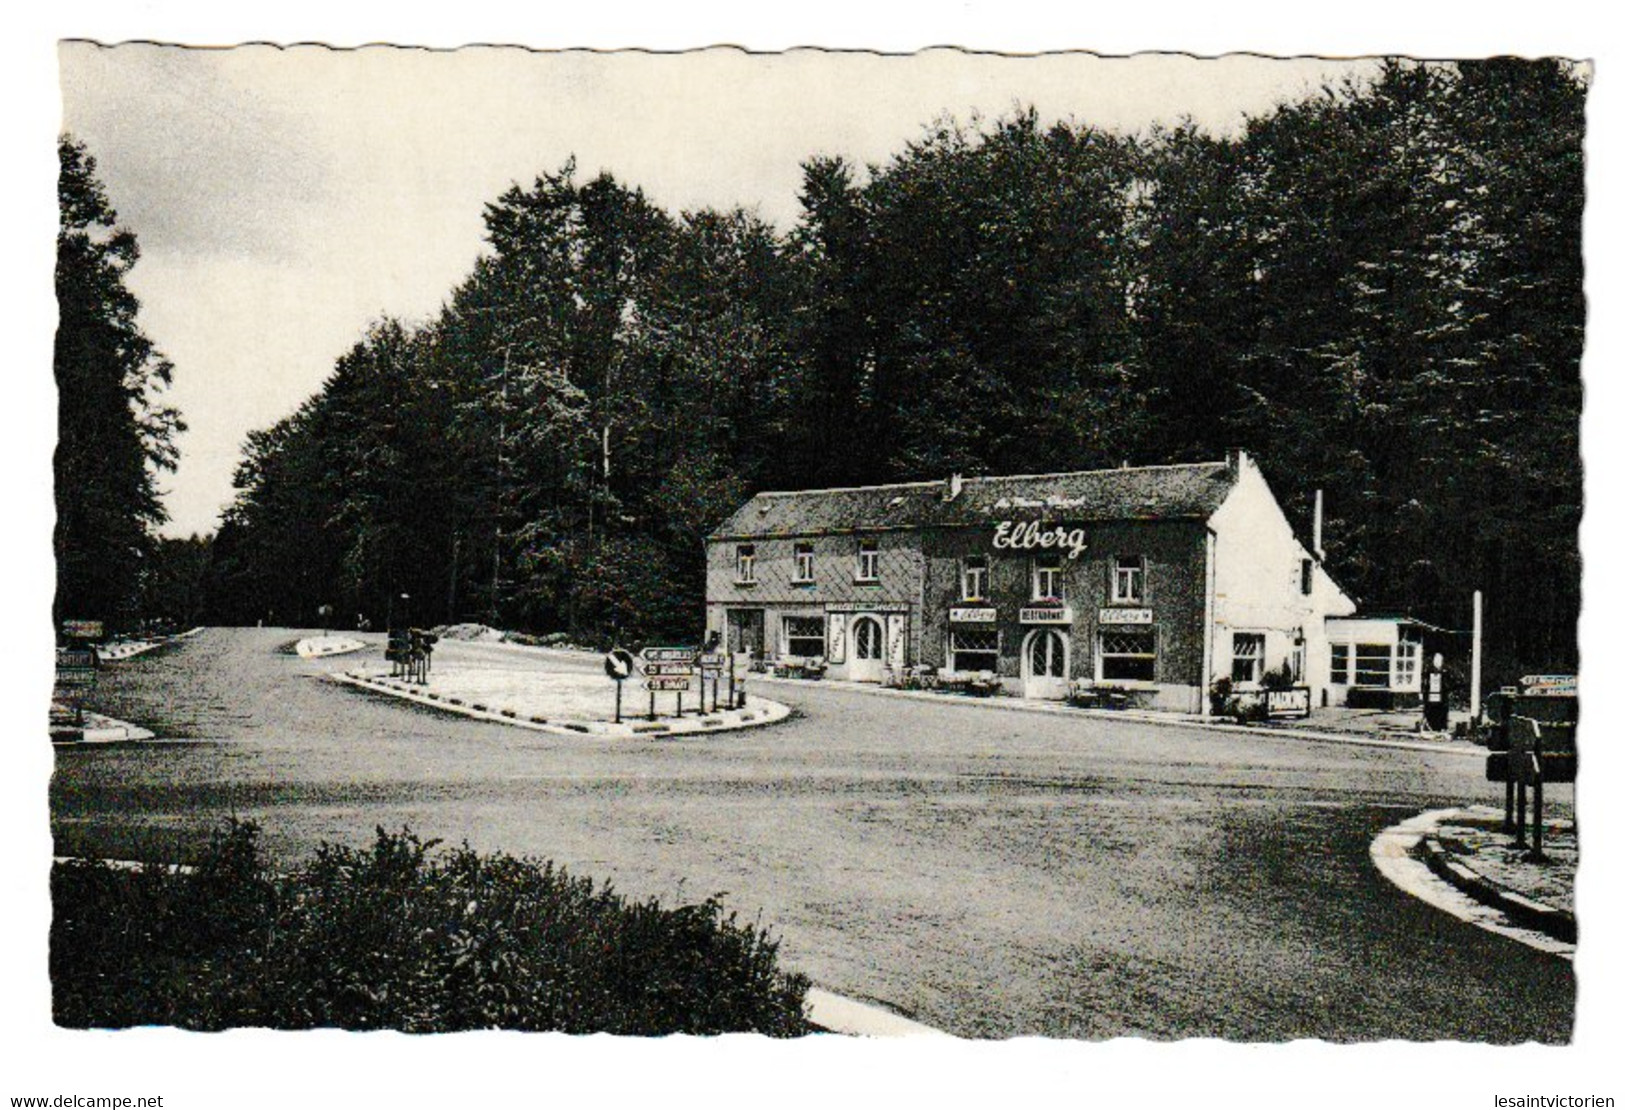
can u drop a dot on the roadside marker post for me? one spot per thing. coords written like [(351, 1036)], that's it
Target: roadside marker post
[(619, 665)]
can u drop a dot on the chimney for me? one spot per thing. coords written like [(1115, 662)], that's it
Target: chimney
[(1320, 552), (954, 485), (1234, 458)]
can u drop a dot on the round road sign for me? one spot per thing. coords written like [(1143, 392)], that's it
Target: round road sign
[(618, 664)]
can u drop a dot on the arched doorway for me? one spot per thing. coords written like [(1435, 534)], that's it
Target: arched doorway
[(1045, 665), (868, 655)]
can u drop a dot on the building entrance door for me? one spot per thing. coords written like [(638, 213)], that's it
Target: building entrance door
[(747, 630), (868, 650), (1044, 665)]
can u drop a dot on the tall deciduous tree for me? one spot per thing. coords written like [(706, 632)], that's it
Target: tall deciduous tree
[(113, 432)]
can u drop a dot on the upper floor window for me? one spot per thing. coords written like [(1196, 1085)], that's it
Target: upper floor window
[(973, 587), (745, 563), (1049, 578), (1306, 577), (804, 562), (868, 561), (1247, 657), (1128, 579)]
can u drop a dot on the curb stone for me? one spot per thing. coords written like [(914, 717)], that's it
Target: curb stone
[(1398, 855), (1055, 709), (1555, 923), (766, 713)]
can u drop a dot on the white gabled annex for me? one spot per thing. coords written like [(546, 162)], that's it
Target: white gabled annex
[(1270, 594)]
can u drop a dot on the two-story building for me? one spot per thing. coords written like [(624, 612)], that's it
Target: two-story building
[(1155, 579)]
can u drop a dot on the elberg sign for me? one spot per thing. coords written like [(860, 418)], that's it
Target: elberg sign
[(1025, 535)]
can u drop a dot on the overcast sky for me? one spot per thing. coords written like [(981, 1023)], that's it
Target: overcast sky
[(285, 198)]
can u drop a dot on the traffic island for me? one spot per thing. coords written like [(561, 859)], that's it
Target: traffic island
[(69, 729), (1461, 861), (565, 703), (1473, 852)]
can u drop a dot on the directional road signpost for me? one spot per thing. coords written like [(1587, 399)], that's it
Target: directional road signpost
[(668, 668)]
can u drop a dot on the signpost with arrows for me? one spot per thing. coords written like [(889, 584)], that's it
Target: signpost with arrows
[(1531, 744), (670, 669)]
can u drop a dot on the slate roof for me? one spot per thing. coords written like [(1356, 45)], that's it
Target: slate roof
[(1185, 492)]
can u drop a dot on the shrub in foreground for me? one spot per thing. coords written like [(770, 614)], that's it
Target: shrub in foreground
[(395, 937)]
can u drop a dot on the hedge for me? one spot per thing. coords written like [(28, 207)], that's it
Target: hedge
[(396, 938)]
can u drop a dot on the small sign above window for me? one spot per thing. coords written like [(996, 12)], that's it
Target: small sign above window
[(1125, 616), (964, 614)]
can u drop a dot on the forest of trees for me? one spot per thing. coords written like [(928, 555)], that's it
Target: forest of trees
[(114, 434), (1376, 291)]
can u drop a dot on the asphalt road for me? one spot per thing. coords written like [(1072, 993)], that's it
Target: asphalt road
[(988, 872)]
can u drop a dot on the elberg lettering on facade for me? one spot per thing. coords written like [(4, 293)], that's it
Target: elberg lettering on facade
[(1025, 535)]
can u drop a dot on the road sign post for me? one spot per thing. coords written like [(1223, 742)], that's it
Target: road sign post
[(668, 668), (619, 665)]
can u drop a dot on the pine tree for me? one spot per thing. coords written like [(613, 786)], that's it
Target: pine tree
[(113, 433)]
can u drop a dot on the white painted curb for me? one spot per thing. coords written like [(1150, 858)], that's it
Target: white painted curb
[(848, 1016), (758, 712), (1394, 853)]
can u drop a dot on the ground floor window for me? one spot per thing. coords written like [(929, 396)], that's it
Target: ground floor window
[(1340, 664), (804, 636), (973, 651), (1128, 655), (1373, 665), (1247, 657)]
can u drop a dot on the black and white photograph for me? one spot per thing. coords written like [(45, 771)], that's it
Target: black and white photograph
[(1008, 561)]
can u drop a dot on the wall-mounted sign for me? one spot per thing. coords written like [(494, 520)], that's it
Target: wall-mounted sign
[(1046, 614), (82, 630), (966, 614), (1125, 616), (866, 607), (1033, 535)]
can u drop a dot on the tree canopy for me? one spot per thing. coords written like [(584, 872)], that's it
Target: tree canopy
[(114, 434), (1376, 290)]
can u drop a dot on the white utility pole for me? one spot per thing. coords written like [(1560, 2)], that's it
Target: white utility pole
[(1478, 650)]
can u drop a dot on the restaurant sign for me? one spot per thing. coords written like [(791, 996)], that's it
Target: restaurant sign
[(1033, 535), (1125, 616), (964, 614), (1046, 614)]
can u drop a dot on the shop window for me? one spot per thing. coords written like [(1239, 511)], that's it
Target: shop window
[(1128, 655), (1373, 665), (804, 562), (1247, 657), (1340, 664), (1128, 579), (804, 636), (868, 561), (973, 651), (745, 563), (974, 584), (1049, 578)]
